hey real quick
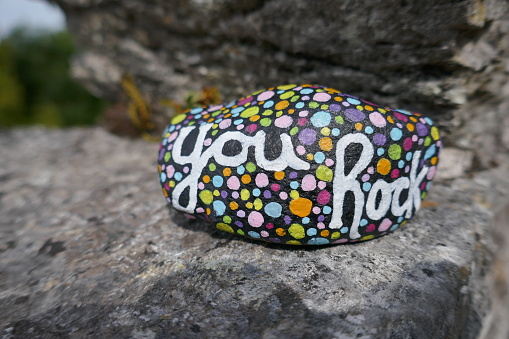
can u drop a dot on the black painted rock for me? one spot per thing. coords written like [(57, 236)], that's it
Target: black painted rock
[(302, 165)]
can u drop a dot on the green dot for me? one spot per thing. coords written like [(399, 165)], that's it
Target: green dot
[(294, 130), (224, 227), (191, 123), (178, 118), (279, 113), (394, 151), (250, 167), (286, 95), (167, 156), (265, 122), (227, 219), (267, 112), (249, 112), (216, 113), (241, 232), (212, 167), (324, 107), (214, 132), (206, 196), (339, 119), (313, 104), (427, 141), (295, 98), (324, 173), (297, 231)]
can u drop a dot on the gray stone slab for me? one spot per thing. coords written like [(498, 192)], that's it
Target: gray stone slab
[(89, 249)]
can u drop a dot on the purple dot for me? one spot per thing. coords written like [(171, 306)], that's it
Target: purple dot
[(224, 194), (354, 114), (335, 107), (287, 219), (275, 239), (422, 130), (267, 194), (307, 136), (238, 223), (293, 175), (379, 139), (321, 218)]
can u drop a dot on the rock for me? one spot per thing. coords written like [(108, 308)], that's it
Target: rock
[(301, 165)]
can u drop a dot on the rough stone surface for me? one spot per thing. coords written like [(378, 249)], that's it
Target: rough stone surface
[(88, 249), (446, 59)]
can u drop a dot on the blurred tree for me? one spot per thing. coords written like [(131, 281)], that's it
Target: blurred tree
[(35, 86)]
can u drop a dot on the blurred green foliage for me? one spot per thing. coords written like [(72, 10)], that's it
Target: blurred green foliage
[(35, 85)]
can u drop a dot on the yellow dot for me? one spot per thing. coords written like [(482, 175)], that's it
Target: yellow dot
[(335, 235), (297, 231), (279, 175), (234, 205), (294, 194), (216, 193), (282, 105), (172, 183), (224, 227), (434, 133), (244, 194), (383, 166), (325, 131), (281, 232), (310, 156), (367, 237), (206, 179), (325, 144), (249, 112), (227, 172), (293, 242), (324, 173), (246, 179), (258, 204), (249, 205), (301, 207), (381, 110), (285, 87), (206, 196)]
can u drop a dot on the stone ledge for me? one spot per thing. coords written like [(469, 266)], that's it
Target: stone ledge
[(88, 248)]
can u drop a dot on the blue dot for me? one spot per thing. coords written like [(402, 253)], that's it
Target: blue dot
[(318, 241), (344, 229), (430, 152), (353, 101), (368, 130), (363, 222), (319, 157), (273, 209), (327, 210), (394, 227), (196, 110), (366, 186), (178, 176), (401, 164), (305, 220), (396, 134), (217, 181), (256, 192), (299, 105), (163, 177), (311, 231), (253, 234), (306, 91), (241, 169), (380, 151), (268, 104), (321, 119), (294, 185), (219, 207), (409, 156), (335, 132)]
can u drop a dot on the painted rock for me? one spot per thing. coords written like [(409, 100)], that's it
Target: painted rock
[(302, 165)]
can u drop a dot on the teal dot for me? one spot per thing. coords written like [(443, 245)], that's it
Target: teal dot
[(394, 227), (321, 119), (241, 169), (306, 91), (380, 151), (363, 222), (366, 186), (253, 234), (217, 181), (409, 156), (256, 192), (311, 231), (273, 209), (353, 101), (430, 152), (163, 177), (400, 219), (237, 110), (196, 110), (305, 220), (396, 134), (294, 185), (335, 132), (401, 164), (299, 105), (219, 207), (178, 176), (344, 229), (327, 209), (368, 130), (319, 157), (238, 121), (268, 104), (318, 241)]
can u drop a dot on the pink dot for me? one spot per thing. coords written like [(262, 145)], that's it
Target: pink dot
[(261, 180), (255, 219), (320, 225), (407, 169), (283, 122), (300, 150), (371, 170), (225, 123), (275, 187), (370, 228), (207, 142), (264, 234), (329, 162), (241, 126), (377, 119), (431, 172), (186, 169), (384, 226), (365, 177), (283, 195), (265, 95), (322, 185), (308, 182), (170, 170), (235, 195), (233, 183), (321, 97), (303, 113), (316, 210), (214, 108), (201, 185), (173, 136), (340, 241), (302, 121), (414, 138), (200, 210), (323, 197), (251, 128)]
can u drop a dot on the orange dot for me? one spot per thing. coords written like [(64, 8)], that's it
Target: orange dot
[(368, 107), (290, 111), (325, 144), (338, 98), (254, 118), (165, 193), (227, 172), (234, 205), (206, 116), (383, 166), (227, 115), (301, 207), (358, 126), (280, 232), (279, 175), (246, 179), (206, 179), (211, 120), (324, 233), (410, 127), (390, 119), (208, 211), (282, 104), (414, 119), (434, 160)]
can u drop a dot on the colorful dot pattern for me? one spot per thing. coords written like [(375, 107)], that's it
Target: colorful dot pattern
[(295, 206)]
